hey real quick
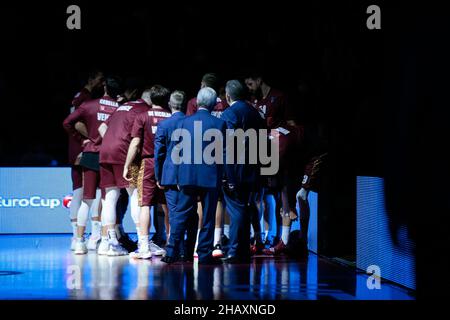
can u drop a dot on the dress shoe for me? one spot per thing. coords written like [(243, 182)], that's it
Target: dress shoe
[(169, 260)]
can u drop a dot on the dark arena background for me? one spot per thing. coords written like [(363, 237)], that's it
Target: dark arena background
[(374, 100)]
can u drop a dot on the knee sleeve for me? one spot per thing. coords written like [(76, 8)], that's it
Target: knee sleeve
[(75, 203), (109, 208), (83, 212), (96, 204), (134, 205)]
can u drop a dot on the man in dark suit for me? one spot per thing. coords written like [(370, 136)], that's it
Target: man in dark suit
[(242, 174), (165, 173), (198, 174)]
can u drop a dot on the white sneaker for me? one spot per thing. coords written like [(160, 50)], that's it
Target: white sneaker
[(93, 242), (141, 253), (116, 250), (73, 243), (103, 248), (80, 247), (156, 250)]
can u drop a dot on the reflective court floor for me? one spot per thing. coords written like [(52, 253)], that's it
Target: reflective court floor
[(43, 267)]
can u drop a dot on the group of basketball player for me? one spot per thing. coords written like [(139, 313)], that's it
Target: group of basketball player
[(112, 153)]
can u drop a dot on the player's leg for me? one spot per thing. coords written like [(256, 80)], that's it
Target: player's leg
[(96, 224), (134, 206), (75, 203), (109, 209), (103, 247), (218, 252), (161, 211), (255, 216), (200, 218), (109, 220), (302, 198), (90, 183), (144, 201)]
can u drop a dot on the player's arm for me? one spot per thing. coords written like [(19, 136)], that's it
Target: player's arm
[(131, 155), (82, 129), (137, 131), (70, 122)]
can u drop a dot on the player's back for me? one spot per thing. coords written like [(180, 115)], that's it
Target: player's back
[(94, 113), (117, 138)]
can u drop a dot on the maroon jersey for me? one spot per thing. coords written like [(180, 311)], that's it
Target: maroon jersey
[(92, 113), (117, 138), (217, 111), (273, 108), (74, 143), (145, 126)]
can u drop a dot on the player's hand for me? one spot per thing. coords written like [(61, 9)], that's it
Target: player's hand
[(302, 194), (125, 174), (159, 186)]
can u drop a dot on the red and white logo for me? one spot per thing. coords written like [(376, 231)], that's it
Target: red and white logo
[(67, 200)]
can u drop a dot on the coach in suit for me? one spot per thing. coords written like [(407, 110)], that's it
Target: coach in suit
[(197, 176), (165, 173), (242, 174)]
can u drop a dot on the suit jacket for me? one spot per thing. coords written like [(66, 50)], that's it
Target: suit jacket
[(165, 170), (202, 174), (241, 115)]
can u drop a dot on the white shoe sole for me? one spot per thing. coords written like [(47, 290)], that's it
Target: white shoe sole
[(92, 246), (116, 254), (79, 252), (143, 256), (217, 254), (159, 253)]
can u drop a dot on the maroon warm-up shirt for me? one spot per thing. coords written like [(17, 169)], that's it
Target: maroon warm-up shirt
[(117, 138), (217, 111), (273, 108), (92, 113), (145, 126), (75, 144)]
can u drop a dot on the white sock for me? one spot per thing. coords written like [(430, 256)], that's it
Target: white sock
[(105, 238), (80, 239), (196, 241), (217, 235), (74, 229), (96, 228), (138, 231), (143, 241), (226, 230), (266, 234), (285, 234), (112, 236)]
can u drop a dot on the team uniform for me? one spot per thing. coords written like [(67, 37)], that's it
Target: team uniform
[(144, 127), (74, 142), (92, 113), (114, 147)]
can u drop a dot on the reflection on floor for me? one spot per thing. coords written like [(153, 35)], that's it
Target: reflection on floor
[(42, 267)]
